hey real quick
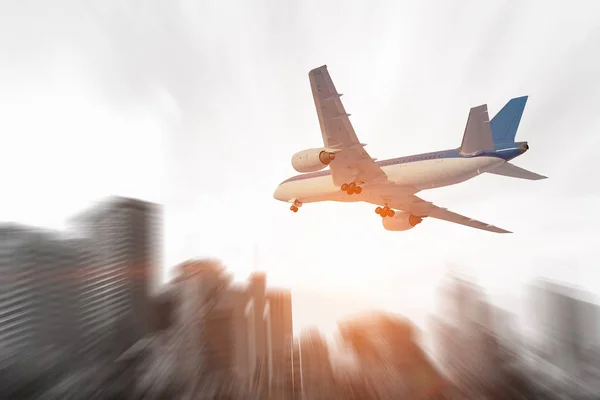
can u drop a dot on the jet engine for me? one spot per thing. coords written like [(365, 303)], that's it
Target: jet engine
[(312, 160), (401, 221)]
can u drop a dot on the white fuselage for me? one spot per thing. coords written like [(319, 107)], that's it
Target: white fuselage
[(412, 176)]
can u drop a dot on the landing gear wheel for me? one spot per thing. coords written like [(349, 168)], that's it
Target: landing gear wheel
[(294, 209), (351, 188), (385, 212)]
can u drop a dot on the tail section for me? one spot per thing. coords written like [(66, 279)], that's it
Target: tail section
[(504, 125), (498, 136), (512, 171)]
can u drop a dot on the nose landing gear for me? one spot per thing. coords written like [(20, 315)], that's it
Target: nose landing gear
[(297, 204)]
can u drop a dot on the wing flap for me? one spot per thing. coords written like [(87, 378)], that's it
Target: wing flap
[(419, 207)]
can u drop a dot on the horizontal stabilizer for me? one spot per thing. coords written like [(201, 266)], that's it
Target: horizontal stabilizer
[(513, 171)]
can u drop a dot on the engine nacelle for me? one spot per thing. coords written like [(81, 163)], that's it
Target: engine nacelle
[(312, 160), (402, 221)]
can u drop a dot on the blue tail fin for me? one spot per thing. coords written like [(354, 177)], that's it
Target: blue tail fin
[(504, 125)]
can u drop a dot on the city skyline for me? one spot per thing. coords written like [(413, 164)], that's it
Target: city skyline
[(203, 333), (181, 121)]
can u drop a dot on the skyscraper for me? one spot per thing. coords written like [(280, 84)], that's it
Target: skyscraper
[(281, 336), (315, 364), (117, 264), (196, 291), (569, 322), (296, 364), (37, 304), (37, 298)]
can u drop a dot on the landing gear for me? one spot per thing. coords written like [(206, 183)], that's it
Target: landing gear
[(351, 188), (297, 204), (385, 212)]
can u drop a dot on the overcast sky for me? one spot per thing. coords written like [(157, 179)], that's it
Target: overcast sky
[(199, 105)]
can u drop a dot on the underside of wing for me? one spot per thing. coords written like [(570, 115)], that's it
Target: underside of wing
[(335, 125), (352, 162), (355, 165), (421, 208)]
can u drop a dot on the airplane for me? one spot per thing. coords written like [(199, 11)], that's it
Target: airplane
[(353, 175)]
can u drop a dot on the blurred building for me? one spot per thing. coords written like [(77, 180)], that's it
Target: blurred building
[(293, 379), (569, 321), (37, 304), (215, 338), (246, 334), (163, 305), (391, 362), (76, 298), (196, 288), (117, 268), (281, 336), (475, 344), (230, 337), (317, 376), (36, 298)]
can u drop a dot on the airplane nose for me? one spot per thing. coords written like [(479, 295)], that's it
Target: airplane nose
[(277, 194)]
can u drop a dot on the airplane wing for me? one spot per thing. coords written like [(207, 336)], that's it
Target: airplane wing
[(352, 162), (421, 208)]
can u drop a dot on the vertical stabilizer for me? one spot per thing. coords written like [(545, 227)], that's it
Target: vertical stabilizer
[(478, 135), (506, 122)]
